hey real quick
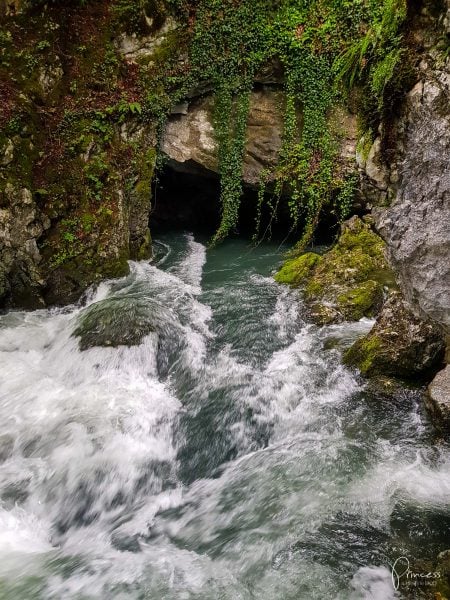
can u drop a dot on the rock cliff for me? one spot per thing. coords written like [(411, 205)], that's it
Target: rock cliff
[(95, 95), (409, 169)]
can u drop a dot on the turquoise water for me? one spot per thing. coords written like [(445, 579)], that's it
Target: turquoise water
[(228, 455)]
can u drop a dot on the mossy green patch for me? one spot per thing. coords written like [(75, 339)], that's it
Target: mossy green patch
[(146, 169), (357, 257), (364, 355), (348, 279), (364, 300), (296, 270), (145, 249)]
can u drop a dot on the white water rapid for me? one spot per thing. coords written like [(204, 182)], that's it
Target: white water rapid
[(226, 455)]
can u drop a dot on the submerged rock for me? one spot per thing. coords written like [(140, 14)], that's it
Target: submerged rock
[(114, 322), (438, 400), (399, 344), (348, 281)]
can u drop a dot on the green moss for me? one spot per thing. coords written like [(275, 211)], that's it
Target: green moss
[(358, 256), (145, 249), (347, 281), (364, 354), (146, 170), (363, 300), (296, 270)]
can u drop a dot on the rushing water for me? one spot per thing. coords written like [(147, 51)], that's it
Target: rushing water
[(229, 455)]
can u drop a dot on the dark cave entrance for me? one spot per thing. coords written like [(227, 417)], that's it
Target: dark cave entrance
[(186, 197)]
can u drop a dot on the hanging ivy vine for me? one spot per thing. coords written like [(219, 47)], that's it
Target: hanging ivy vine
[(327, 48)]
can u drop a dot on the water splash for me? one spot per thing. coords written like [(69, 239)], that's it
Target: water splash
[(227, 454)]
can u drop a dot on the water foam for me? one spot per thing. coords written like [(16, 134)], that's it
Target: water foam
[(92, 463)]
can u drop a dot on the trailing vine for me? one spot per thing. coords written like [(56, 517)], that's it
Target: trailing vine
[(230, 121), (327, 48)]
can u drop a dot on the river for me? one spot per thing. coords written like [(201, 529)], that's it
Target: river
[(229, 455)]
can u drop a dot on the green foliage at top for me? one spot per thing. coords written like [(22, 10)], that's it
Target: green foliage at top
[(326, 47)]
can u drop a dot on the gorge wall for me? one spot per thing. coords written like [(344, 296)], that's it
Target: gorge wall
[(407, 175)]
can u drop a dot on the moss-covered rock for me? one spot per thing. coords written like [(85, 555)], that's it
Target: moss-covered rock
[(295, 271), (347, 282), (140, 203), (399, 344), (358, 256), (115, 322), (324, 314), (88, 185), (364, 300)]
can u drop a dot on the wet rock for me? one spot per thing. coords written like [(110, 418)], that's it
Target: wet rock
[(137, 47), (348, 281), (400, 344), (190, 137), (324, 314), (115, 322), (374, 165), (438, 400), (416, 225)]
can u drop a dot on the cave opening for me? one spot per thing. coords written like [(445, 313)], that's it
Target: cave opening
[(186, 197)]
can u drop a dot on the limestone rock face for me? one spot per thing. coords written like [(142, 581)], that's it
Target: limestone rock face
[(399, 344), (416, 226), (135, 48), (374, 165), (21, 224), (189, 138), (439, 398)]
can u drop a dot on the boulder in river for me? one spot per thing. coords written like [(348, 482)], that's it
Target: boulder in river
[(438, 399), (347, 282), (400, 344), (114, 322)]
